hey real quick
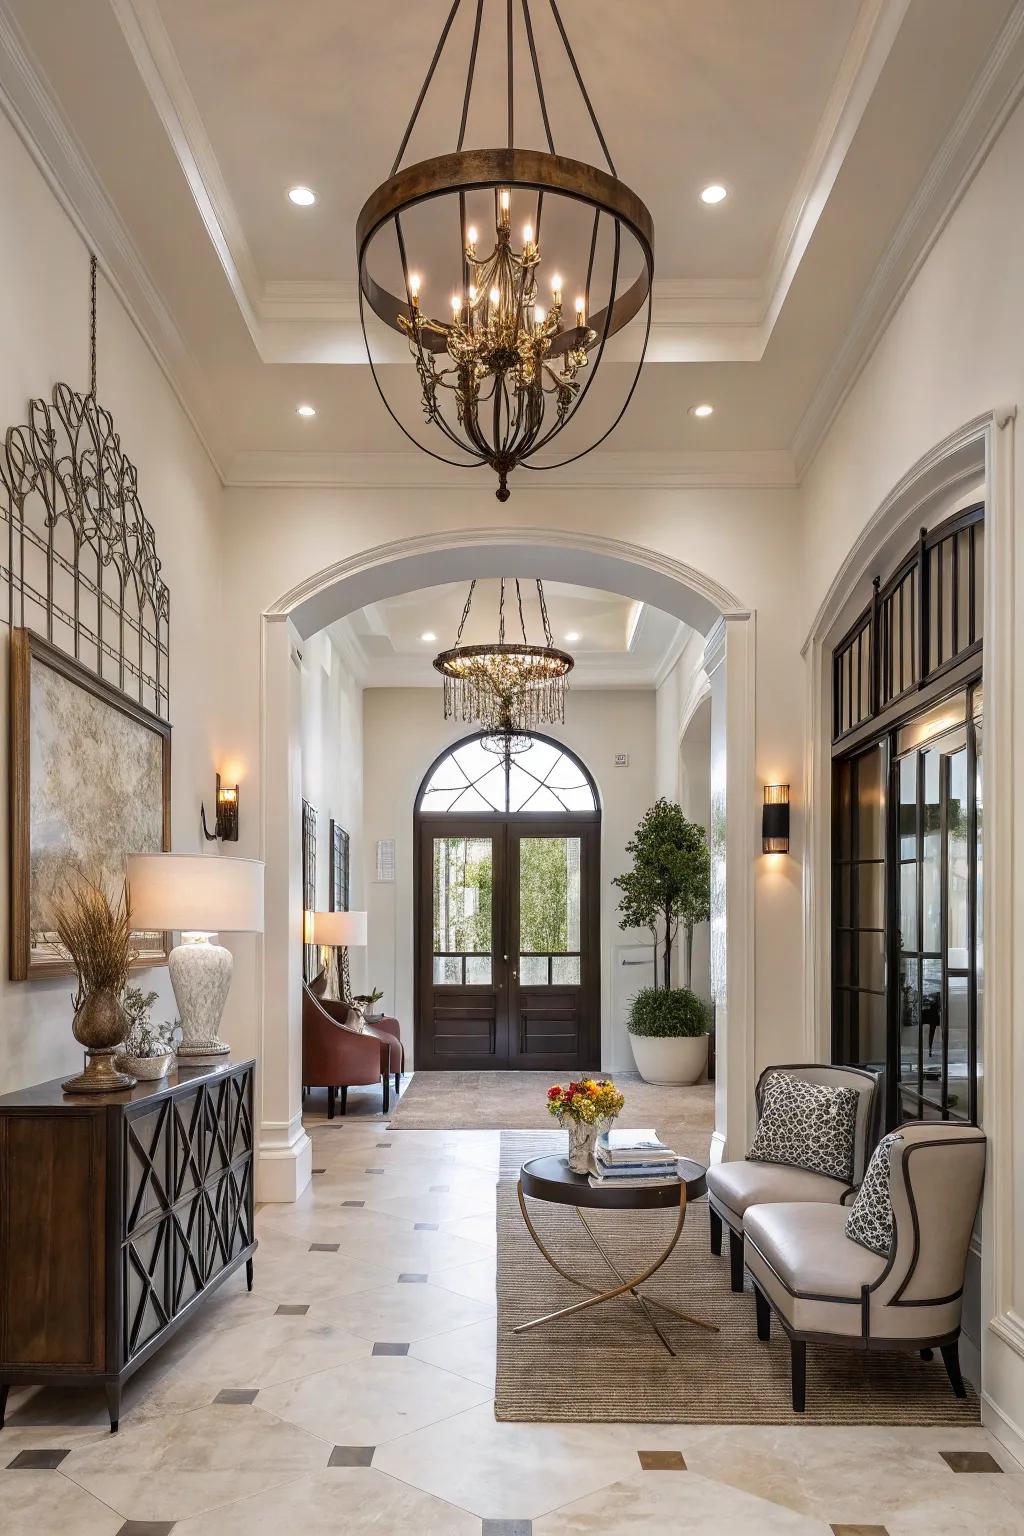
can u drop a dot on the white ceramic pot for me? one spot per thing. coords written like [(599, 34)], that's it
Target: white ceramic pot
[(146, 1068), (672, 1059)]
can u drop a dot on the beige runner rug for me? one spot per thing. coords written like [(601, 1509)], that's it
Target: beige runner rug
[(606, 1364)]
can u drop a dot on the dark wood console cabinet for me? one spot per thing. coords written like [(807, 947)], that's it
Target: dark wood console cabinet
[(119, 1215)]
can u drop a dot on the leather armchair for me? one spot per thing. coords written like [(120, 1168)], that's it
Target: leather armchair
[(387, 1031), (734, 1187), (822, 1285), (334, 1056)]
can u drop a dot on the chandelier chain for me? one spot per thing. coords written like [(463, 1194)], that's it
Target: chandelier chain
[(583, 89), (470, 73), (501, 614), (544, 614), (92, 325), (465, 612), (511, 75), (519, 600), (540, 87), (426, 84)]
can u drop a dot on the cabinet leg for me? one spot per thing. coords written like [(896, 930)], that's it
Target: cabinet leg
[(736, 1259), (330, 1103), (798, 1350), (113, 1391), (344, 1098), (248, 1274), (715, 1223), (764, 1316), (3, 1404)]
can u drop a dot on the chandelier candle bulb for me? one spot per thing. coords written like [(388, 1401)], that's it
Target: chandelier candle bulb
[(505, 209), (414, 289), (581, 310), (539, 315)]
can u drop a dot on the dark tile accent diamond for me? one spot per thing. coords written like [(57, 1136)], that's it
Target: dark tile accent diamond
[(384, 1143), (390, 1349), (439, 1189), (324, 1247), (319, 1170), (373, 1170), (292, 1309), (238, 1397), (662, 1461), (426, 1226), (37, 1461), (146, 1528), (412, 1279), (506, 1527), (859, 1530), (352, 1456), (358, 1203), (970, 1461)]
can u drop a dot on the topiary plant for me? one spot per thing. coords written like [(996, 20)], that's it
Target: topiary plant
[(668, 1013)]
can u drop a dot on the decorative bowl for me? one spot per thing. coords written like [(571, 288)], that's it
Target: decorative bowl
[(146, 1068)]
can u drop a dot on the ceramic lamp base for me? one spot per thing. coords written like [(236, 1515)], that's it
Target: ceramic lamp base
[(200, 976), (100, 1075)]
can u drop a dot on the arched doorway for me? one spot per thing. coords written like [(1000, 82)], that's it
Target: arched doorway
[(507, 883)]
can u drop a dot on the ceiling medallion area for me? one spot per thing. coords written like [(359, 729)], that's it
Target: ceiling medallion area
[(511, 687), (508, 366)]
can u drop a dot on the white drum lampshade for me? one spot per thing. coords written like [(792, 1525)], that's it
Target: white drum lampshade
[(197, 895), (340, 929)]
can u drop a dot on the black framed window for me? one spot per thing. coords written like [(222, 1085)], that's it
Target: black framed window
[(309, 951)]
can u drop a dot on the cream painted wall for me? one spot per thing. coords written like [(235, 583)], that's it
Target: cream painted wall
[(44, 286), (404, 730), (677, 698), (332, 769), (952, 352)]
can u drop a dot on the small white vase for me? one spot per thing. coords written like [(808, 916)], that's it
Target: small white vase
[(582, 1140), (672, 1060), (146, 1068)]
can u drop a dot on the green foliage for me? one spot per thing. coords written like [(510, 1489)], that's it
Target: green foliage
[(144, 1038), (668, 1013), (544, 896), (670, 882)]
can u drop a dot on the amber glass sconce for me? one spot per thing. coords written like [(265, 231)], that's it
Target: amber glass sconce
[(775, 819), (225, 825)]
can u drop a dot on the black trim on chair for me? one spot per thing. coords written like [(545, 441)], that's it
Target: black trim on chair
[(764, 1315), (735, 1260), (914, 1146)]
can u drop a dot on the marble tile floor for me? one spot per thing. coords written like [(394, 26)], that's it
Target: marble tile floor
[(352, 1391)]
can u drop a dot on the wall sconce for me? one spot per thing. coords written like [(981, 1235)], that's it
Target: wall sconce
[(775, 819), (225, 825)]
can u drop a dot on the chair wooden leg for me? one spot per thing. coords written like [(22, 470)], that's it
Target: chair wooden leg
[(764, 1316), (715, 1222), (4, 1390), (951, 1360), (344, 1098), (798, 1353), (330, 1102), (927, 1354), (386, 1085), (398, 1084), (736, 1259)]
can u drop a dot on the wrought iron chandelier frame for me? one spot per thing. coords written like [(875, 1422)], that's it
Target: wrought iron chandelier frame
[(539, 173)]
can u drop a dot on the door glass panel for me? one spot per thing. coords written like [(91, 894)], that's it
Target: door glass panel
[(979, 948), (870, 843), (933, 722), (910, 1024), (931, 1032), (908, 807), (908, 907), (957, 866), (871, 895), (931, 915), (549, 910), (463, 880)]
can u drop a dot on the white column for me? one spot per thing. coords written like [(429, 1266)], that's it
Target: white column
[(285, 1153), (729, 664)]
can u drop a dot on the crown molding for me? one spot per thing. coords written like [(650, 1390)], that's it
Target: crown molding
[(767, 470), (997, 89), (31, 107)]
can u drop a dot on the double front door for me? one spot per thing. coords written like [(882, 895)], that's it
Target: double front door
[(507, 948)]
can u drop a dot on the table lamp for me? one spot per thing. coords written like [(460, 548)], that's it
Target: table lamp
[(336, 930), (198, 896)]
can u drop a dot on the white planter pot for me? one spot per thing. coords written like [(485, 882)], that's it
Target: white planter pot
[(675, 1059)]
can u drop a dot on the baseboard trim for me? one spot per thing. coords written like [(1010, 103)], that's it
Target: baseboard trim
[(283, 1167), (1009, 1434)]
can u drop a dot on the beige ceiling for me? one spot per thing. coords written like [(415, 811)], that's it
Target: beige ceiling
[(618, 643), (842, 129)]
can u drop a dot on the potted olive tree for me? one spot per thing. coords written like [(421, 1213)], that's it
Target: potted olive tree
[(668, 889)]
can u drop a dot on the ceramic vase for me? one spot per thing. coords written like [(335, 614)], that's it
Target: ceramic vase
[(582, 1140)]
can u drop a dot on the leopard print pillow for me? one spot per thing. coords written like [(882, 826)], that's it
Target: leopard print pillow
[(870, 1220), (806, 1125)]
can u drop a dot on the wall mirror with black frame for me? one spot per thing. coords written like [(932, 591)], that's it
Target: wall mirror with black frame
[(907, 969)]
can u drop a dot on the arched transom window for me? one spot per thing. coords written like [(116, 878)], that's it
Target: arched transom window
[(544, 778)]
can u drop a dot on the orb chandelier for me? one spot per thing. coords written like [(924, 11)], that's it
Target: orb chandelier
[(510, 687), (504, 370)]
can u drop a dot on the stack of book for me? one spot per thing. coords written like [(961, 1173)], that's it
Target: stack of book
[(633, 1157)]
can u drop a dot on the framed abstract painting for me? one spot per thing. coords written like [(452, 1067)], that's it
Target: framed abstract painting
[(90, 784)]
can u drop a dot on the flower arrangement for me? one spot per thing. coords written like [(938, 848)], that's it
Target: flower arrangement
[(587, 1101)]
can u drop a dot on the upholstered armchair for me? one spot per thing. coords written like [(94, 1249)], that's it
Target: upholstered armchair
[(734, 1187), (335, 1056), (387, 1031), (822, 1285)]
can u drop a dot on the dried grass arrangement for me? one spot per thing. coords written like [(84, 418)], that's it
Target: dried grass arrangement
[(95, 930)]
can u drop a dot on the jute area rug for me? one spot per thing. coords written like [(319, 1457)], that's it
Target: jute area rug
[(502, 1101), (607, 1365)]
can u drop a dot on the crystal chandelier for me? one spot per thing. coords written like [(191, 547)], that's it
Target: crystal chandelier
[(505, 371), (511, 687)]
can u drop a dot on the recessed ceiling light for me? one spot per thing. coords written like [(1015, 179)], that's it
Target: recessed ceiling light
[(428, 636), (305, 410), (702, 410), (572, 635), (714, 194), (303, 197)]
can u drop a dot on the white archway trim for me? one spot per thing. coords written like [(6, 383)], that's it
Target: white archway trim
[(431, 559), (985, 446)]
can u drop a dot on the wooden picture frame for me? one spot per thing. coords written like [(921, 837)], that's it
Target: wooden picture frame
[(129, 781)]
